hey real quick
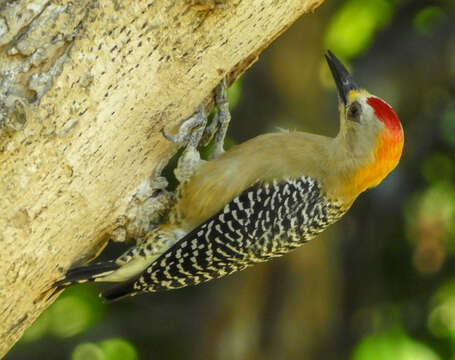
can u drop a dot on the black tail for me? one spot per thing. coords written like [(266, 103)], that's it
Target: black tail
[(119, 292), (87, 273)]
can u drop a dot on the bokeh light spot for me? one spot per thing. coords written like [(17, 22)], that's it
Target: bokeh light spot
[(87, 351), (441, 321), (392, 345), (118, 349), (448, 126), (437, 167), (354, 26), (38, 329), (76, 310), (428, 19)]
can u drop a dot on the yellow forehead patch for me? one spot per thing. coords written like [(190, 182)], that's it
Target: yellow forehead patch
[(352, 95)]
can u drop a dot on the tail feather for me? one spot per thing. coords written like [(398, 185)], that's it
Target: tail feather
[(87, 273), (120, 291)]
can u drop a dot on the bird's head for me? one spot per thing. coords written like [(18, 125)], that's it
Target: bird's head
[(369, 128)]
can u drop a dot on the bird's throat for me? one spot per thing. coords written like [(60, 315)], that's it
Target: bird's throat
[(387, 154)]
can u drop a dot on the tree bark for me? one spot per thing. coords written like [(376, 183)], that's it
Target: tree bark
[(85, 87)]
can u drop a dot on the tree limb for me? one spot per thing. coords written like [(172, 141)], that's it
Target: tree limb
[(85, 87)]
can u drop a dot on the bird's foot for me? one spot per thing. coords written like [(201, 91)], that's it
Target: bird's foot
[(220, 121), (191, 130)]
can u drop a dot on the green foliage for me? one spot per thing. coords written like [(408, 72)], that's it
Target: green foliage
[(39, 328), (441, 321), (394, 345), (75, 311), (87, 351), (436, 204), (428, 19), (353, 27), (111, 349), (448, 126), (235, 93), (438, 167), (118, 349)]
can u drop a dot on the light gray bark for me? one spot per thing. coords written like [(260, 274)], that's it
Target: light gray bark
[(85, 87)]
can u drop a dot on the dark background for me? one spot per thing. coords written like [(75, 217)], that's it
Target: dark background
[(380, 283)]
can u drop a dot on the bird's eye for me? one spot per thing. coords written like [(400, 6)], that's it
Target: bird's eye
[(354, 111)]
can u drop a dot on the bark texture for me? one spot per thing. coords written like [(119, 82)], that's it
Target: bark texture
[(85, 87)]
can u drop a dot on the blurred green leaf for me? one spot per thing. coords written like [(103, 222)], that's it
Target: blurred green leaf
[(235, 93), (441, 321), (433, 207), (448, 126), (353, 27), (75, 311), (87, 351), (438, 203), (394, 345), (428, 19), (118, 349), (70, 316), (438, 167), (39, 328)]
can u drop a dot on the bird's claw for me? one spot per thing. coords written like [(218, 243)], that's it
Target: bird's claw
[(191, 130)]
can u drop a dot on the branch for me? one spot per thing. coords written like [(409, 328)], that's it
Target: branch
[(84, 92)]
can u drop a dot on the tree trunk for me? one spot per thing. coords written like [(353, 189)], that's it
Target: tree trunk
[(85, 87)]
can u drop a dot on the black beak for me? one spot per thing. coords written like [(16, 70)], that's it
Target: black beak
[(344, 81)]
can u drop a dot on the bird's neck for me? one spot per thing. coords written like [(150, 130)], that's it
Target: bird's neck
[(387, 154), (368, 167)]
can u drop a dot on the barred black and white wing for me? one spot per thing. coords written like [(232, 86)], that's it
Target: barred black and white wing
[(264, 221)]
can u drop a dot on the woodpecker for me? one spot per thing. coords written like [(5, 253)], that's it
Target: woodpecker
[(258, 200)]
